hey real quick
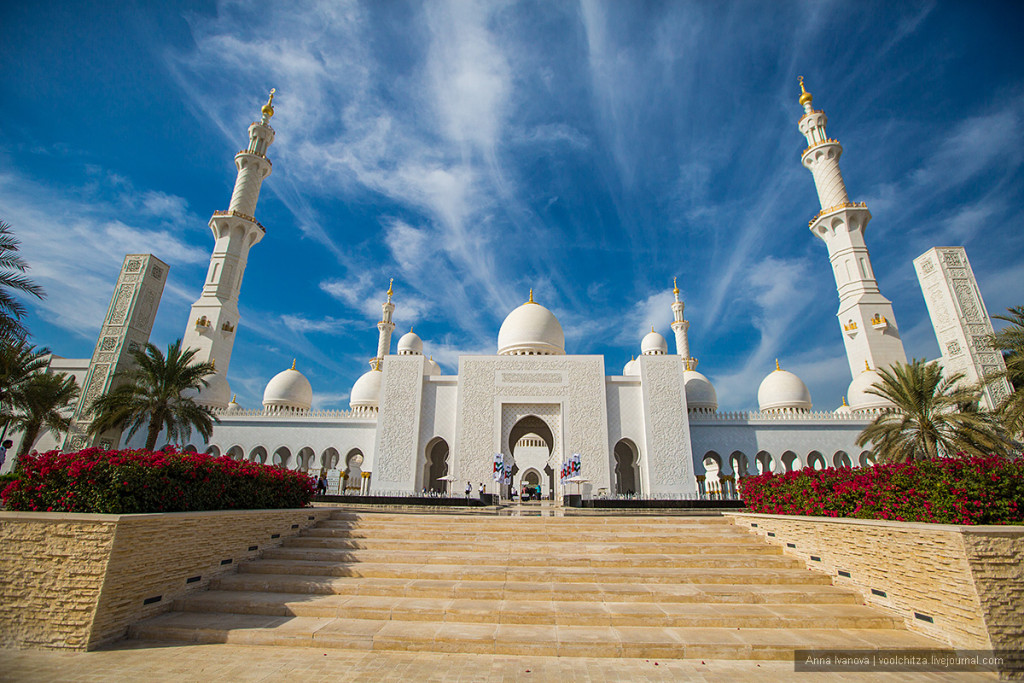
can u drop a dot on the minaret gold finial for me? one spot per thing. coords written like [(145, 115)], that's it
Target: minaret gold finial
[(234, 398), (675, 287), (652, 328), (293, 363), (805, 97), (777, 366), (410, 329), (531, 301), (844, 401), (391, 287), (268, 108), (867, 368)]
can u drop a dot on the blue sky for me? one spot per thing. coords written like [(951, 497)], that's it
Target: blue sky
[(472, 151)]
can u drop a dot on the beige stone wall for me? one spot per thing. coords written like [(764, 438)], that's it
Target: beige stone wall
[(77, 581), (51, 575), (968, 580)]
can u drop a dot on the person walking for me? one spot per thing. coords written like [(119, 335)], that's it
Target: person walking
[(469, 490)]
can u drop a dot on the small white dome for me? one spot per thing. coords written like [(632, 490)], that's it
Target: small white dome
[(783, 390), (631, 369), (653, 344), (288, 389), (431, 367), (700, 393), (844, 409), (531, 329), (366, 391), (858, 394), (410, 344), (234, 406)]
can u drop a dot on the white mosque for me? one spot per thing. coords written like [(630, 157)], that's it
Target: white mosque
[(653, 429)]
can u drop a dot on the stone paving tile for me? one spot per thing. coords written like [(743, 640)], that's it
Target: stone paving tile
[(156, 663)]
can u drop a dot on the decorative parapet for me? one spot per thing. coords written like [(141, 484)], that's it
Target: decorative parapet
[(239, 214), (361, 413), (826, 141), (782, 415), (844, 205)]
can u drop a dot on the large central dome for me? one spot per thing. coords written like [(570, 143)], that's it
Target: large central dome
[(531, 330)]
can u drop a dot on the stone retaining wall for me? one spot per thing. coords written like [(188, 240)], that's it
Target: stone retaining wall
[(962, 585), (77, 581)]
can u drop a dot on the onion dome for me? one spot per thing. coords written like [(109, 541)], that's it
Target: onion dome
[(858, 394), (288, 389), (432, 368), (531, 330), (268, 108), (366, 391), (410, 344), (653, 344), (782, 390), (631, 369), (700, 394)]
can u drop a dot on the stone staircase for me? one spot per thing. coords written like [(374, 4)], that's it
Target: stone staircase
[(668, 587)]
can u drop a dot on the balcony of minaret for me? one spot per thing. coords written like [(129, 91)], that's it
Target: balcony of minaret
[(227, 328), (879, 322), (850, 328), (239, 214), (202, 324)]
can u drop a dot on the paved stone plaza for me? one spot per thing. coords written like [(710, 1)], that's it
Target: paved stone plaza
[(152, 662)]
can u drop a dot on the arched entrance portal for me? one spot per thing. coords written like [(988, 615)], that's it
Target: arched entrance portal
[(531, 444), (627, 468), (436, 466)]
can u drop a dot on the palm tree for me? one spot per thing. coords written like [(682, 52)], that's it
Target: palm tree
[(932, 416), (11, 310), (1010, 340), (43, 401), (19, 361), (152, 394)]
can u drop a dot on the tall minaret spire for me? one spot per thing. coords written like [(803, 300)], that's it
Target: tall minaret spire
[(386, 327), (213, 320), (680, 326), (865, 316)]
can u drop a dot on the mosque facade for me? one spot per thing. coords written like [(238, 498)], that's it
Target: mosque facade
[(652, 429)]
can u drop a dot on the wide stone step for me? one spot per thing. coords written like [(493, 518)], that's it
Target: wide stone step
[(471, 536), (477, 521), (526, 611), (532, 639), (536, 575), (314, 538), (527, 559), (498, 590)]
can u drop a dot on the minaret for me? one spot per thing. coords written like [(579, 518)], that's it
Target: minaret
[(213, 322), (865, 316), (680, 326), (386, 327)]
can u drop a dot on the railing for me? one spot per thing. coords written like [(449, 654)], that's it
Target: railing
[(782, 415), (826, 141), (239, 214), (844, 205), (295, 413)]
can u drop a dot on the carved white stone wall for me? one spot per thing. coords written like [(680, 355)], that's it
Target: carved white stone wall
[(667, 465), (488, 383), (960, 319), (394, 461)]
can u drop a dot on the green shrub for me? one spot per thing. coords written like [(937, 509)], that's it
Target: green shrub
[(137, 481)]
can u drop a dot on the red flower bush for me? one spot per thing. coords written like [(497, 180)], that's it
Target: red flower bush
[(136, 481), (963, 490)]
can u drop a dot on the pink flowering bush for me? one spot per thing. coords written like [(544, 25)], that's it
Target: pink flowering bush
[(963, 490), (135, 481)]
